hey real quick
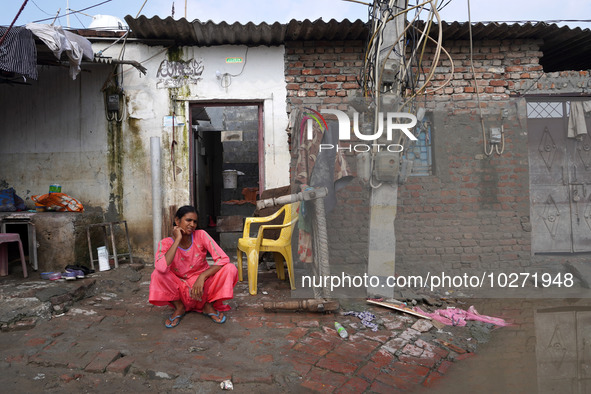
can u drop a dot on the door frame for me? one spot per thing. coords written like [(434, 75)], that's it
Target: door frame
[(227, 103)]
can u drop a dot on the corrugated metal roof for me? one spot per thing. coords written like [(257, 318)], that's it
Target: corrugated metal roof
[(564, 48), (183, 32)]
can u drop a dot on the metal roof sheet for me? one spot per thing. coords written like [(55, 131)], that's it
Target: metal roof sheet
[(564, 48), (183, 32)]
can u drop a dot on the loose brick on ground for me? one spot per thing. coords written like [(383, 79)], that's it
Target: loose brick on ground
[(102, 360), (121, 365), (422, 325), (394, 345)]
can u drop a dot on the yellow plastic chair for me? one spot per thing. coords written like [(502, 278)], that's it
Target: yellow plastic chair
[(281, 247)]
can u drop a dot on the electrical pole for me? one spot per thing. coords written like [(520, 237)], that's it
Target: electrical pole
[(384, 194)]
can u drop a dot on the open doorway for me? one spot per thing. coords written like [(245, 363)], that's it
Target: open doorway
[(227, 171)]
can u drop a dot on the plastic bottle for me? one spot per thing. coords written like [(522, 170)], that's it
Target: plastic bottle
[(341, 330)]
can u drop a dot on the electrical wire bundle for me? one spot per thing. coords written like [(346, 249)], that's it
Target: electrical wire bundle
[(395, 62), (380, 54)]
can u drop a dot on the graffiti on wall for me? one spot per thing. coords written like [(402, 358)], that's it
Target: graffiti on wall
[(174, 74)]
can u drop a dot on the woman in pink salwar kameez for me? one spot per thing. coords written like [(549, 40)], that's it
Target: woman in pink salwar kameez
[(183, 278)]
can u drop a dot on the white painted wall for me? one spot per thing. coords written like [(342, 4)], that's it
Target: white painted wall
[(54, 131), (262, 79)]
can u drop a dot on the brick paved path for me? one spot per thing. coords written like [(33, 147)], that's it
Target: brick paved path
[(115, 340)]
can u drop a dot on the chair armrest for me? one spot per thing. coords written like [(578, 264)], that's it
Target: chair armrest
[(264, 227), (250, 220)]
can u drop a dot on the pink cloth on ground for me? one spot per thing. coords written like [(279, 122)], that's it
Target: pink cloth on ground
[(174, 282), (458, 317)]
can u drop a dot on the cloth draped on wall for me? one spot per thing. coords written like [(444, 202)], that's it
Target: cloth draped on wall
[(316, 168), (18, 53), (58, 41), (577, 124)]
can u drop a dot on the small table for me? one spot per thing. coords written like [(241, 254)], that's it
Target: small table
[(5, 238)]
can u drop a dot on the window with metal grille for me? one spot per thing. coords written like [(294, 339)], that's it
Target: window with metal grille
[(420, 152), (546, 109)]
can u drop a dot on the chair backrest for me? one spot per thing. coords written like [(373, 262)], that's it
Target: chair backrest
[(286, 231)]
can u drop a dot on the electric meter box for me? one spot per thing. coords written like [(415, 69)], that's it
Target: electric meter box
[(113, 102), (387, 166)]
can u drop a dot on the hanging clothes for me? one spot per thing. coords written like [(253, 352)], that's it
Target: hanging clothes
[(577, 124), (316, 168), (59, 41), (18, 53)]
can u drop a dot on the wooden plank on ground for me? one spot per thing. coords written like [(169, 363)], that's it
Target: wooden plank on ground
[(399, 307)]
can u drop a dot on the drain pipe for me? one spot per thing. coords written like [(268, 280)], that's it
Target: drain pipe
[(156, 192)]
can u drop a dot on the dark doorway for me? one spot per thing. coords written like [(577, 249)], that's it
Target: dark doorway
[(226, 167)]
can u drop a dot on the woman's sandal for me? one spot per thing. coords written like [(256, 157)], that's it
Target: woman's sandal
[(212, 316), (172, 323)]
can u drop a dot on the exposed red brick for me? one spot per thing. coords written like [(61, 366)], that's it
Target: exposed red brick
[(464, 356), (214, 378), (353, 385), (444, 366), (265, 358), (318, 386), (102, 360), (432, 379), (337, 365), (297, 333), (121, 365)]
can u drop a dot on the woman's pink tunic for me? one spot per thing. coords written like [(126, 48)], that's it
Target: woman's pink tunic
[(174, 282)]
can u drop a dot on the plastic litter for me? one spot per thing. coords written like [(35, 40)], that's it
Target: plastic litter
[(197, 349), (55, 276), (341, 330), (227, 385), (46, 275), (366, 318)]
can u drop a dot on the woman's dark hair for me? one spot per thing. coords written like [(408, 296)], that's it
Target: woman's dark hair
[(182, 211)]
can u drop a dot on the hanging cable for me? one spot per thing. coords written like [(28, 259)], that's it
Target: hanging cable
[(485, 143), (75, 12), (141, 8)]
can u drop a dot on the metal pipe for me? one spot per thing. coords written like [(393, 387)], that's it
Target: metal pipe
[(306, 195), (156, 191)]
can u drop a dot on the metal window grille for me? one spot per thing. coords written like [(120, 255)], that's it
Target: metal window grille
[(420, 153), (544, 109)]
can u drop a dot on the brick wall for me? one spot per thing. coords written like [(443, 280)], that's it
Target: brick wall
[(473, 212)]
